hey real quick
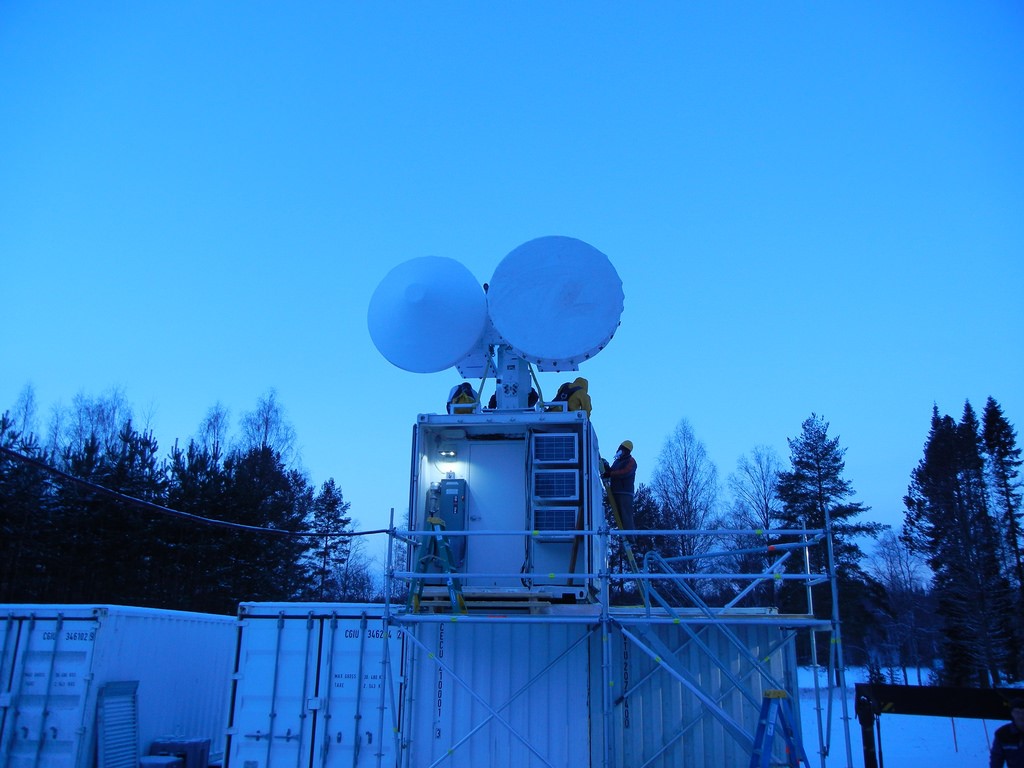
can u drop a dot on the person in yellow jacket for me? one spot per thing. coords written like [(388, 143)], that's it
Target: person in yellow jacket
[(462, 398), (575, 395)]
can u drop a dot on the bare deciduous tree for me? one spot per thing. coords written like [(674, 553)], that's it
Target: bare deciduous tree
[(754, 485), (101, 418), (756, 504), (685, 483), (905, 577), (355, 578), (266, 427), (24, 412), (213, 431)]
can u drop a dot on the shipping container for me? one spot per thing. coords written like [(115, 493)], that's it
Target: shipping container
[(311, 687), (335, 685), (515, 492), (71, 675)]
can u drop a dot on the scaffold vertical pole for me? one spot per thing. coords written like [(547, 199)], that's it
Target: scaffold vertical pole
[(837, 638)]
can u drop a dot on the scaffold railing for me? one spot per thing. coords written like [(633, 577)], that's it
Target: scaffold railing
[(726, 583)]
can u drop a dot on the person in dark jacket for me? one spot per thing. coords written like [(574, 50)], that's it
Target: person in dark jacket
[(1008, 742), (622, 474)]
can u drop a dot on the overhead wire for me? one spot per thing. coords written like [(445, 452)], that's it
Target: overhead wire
[(160, 509)]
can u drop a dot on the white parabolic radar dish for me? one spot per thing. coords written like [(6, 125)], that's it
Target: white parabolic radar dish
[(556, 301), (427, 314)]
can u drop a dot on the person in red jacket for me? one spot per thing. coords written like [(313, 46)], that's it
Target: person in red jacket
[(1008, 742), (622, 474)]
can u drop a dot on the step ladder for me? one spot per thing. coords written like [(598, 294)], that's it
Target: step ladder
[(435, 550), (776, 709)]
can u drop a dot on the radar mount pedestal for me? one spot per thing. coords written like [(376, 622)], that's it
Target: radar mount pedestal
[(514, 380)]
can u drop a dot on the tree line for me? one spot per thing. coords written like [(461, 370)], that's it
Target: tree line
[(67, 540), (963, 513), (939, 599)]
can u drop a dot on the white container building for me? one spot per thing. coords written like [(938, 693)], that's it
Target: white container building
[(161, 674), (511, 488)]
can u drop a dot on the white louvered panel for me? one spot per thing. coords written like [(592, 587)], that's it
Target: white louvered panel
[(118, 726)]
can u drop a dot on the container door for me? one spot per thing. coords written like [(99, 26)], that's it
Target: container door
[(353, 697), (277, 666), (310, 693), (44, 687), (497, 501)]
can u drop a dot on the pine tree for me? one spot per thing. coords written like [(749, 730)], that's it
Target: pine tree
[(198, 486), (329, 550), (947, 519), (110, 549), (77, 523), (1003, 465), (815, 494), (134, 559), (262, 492), (26, 510)]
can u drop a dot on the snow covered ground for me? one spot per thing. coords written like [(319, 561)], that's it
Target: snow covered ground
[(908, 741)]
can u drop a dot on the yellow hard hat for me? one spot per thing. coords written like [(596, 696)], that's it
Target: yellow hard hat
[(627, 444)]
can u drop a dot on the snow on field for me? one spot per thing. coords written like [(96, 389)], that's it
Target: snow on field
[(908, 741)]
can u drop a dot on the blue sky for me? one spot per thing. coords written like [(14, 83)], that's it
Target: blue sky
[(812, 207)]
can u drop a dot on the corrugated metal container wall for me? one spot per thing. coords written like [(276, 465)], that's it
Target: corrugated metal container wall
[(660, 722), (501, 692), (310, 688), (532, 694), (56, 658), (498, 695)]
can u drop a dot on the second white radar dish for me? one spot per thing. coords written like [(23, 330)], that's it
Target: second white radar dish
[(556, 301), (427, 314)]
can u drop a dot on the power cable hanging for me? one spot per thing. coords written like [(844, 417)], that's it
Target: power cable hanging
[(159, 509)]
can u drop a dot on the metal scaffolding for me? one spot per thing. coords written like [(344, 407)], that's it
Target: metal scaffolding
[(690, 665)]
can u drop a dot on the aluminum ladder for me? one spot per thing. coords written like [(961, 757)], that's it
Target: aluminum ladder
[(775, 708), (435, 549)]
